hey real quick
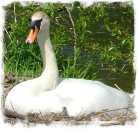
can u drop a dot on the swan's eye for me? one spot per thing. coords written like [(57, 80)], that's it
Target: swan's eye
[(36, 23)]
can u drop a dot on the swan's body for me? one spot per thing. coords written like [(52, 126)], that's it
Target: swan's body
[(47, 93)]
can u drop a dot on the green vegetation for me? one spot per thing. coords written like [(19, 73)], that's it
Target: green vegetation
[(99, 45)]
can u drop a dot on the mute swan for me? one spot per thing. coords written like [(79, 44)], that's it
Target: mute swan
[(48, 93)]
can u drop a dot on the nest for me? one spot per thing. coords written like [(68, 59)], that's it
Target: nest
[(105, 118)]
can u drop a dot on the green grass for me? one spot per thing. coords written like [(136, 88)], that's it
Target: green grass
[(102, 48)]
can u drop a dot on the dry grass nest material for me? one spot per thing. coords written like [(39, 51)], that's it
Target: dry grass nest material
[(107, 117)]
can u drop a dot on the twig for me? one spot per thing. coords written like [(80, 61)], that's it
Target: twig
[(12, 114), (112, 123), (117, 87), (41, 115), (73, 26), (104, 111), (74, 33), (15, 13), (8, 34)]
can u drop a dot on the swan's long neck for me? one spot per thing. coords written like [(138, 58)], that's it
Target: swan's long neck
[(50, 70)]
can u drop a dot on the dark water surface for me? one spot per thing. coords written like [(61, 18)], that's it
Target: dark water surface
[(103, 71)]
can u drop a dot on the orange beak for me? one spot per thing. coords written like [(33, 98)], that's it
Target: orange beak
[(32, 35)]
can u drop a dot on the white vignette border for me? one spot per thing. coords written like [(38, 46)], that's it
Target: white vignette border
[(85, 3)]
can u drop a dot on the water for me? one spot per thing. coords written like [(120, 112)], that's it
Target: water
[(124, 78)]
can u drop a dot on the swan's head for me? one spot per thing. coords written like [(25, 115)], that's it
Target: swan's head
[(39, 26)]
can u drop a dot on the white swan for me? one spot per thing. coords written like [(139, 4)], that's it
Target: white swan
[(47, 93)]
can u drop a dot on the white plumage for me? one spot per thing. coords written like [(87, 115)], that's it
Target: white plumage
[(47, 93)]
